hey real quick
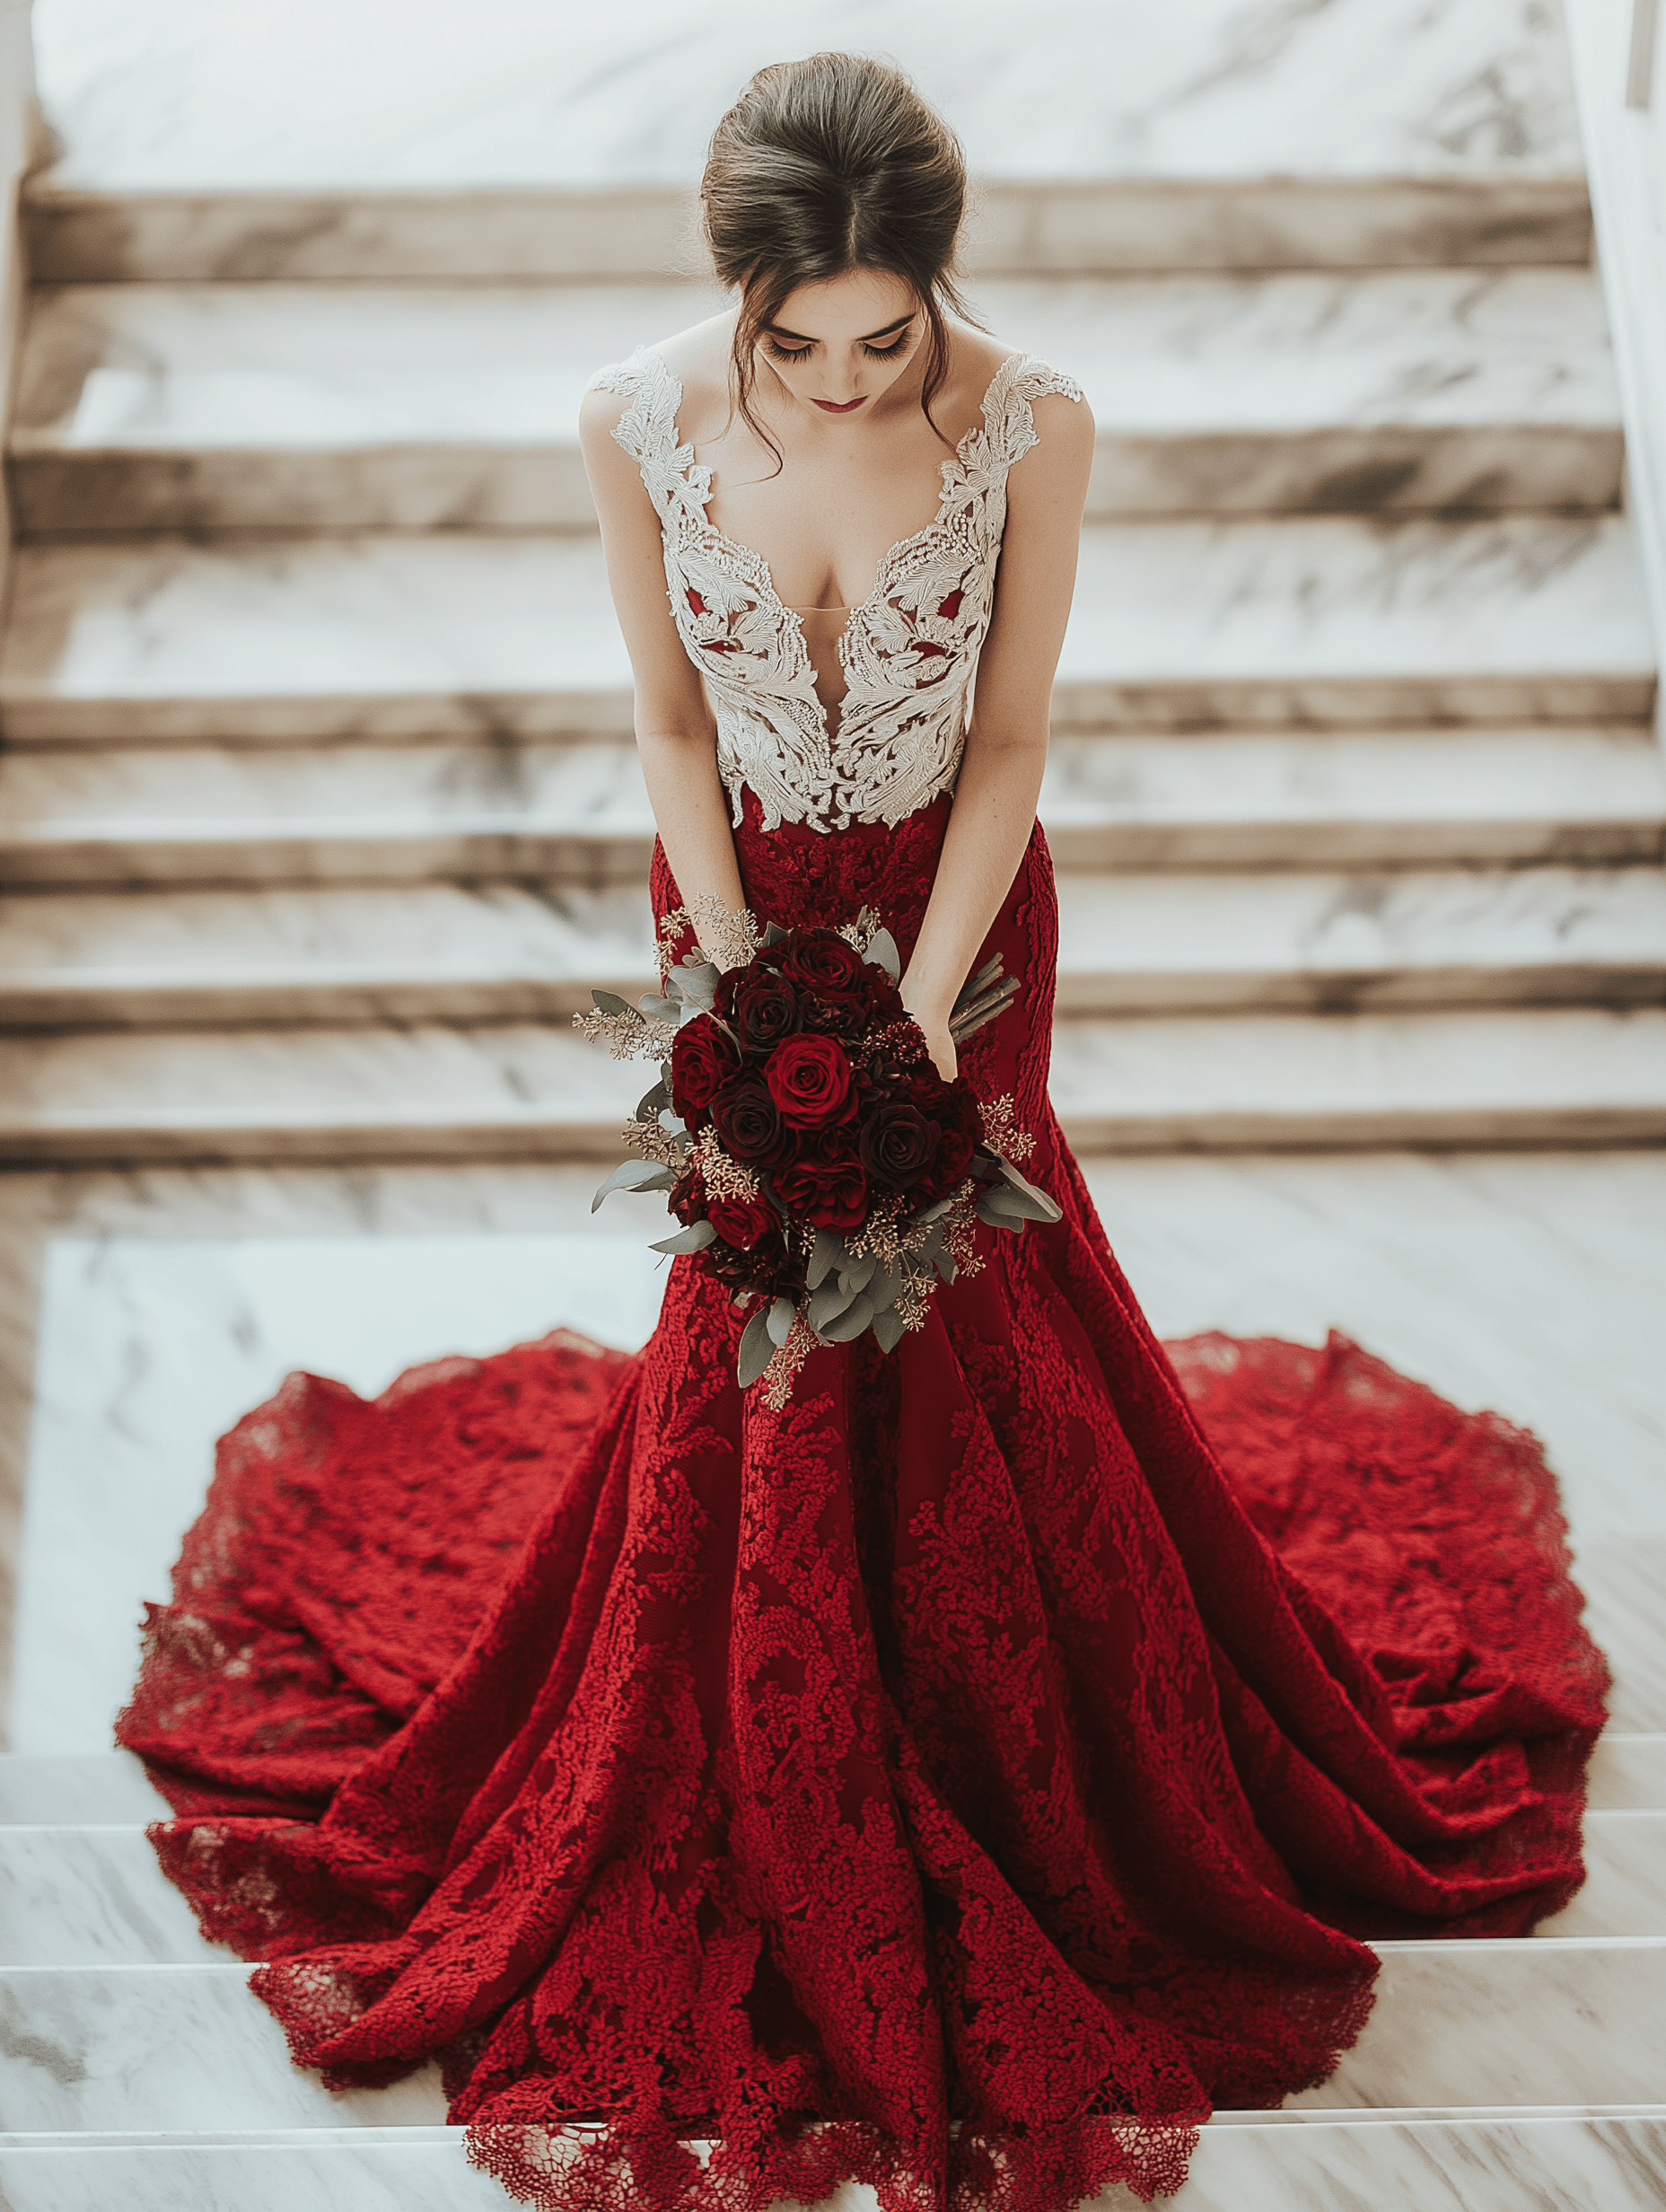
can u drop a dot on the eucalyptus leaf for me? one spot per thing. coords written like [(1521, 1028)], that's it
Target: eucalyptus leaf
[(931, 1213), (882, 953), (827, 1253), (609, 1002), (774, 932), (997, 1218), (659, 1009), (826, 1305), (695, 1238), (884, 1289), (942, 1259), (649, 1104), (780, 1320), (633, 1175), (1051, 1210), (858, 1274), (888, 1330), (756, 1350), (672, 1124), (849, 1324), (698, 981)]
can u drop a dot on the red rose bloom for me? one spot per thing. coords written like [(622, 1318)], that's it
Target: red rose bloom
[(810, 1079), (740, 1222), (760, 1005), (828, 1194), (821, 962), (748, 1123), (703, 1059)]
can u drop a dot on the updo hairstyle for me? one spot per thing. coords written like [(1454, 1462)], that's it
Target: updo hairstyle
[(821, 167)]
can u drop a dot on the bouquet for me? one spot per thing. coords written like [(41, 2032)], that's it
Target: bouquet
[(819, 1166)]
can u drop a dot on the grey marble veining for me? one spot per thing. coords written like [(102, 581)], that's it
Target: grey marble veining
[(512, 94), (579, 813), (1128, 943), (318, 406), (175, 2047), (1423, 2162), (1507, 2021), (1312, 621)]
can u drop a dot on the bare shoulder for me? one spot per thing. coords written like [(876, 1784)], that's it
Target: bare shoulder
[(697, 358)]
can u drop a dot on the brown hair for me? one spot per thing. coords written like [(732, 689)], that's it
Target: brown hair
[(821, 167)]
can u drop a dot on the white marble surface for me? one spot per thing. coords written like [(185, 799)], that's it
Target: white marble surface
[(578, 813), (178, 92), (1422, 2161), (284, 405), (173, 2047), (1129, 941), (171, 1304), (149, 1350), (1301, 619), (96, 1789), (1449, 2017)]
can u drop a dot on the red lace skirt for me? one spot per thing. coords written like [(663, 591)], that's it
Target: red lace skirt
[(960, 1781)]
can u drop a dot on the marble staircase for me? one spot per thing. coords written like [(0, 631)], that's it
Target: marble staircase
[(318, 814)]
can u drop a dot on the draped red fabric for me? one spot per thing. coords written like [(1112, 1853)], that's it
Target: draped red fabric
[(960, 1781)]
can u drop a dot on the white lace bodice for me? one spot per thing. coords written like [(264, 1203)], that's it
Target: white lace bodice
[(908, 652)]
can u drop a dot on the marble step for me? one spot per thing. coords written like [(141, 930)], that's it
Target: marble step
[(1129, 943), (578, 813), (187, 2046), (93, 1895), (1425, 2160), (1315, 621), (520, 141), (315, 407), (1479, 1076)]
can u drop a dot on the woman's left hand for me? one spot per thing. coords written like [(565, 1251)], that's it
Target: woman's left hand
[(935, 1028)]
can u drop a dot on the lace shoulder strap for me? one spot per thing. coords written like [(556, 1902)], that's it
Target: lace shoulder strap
[(1009, 427), (647, 431)]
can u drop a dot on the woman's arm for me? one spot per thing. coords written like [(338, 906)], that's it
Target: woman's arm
[(995, 798), (676, 735)]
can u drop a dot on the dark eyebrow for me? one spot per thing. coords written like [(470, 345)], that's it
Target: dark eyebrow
[(866, 338)]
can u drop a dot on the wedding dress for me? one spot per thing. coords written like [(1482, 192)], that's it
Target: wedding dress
[(961, 1779)]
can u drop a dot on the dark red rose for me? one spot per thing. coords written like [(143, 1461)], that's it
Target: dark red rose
[(828, 1194), (821, 962), (703, 1059), (954, 1159), (810, 1079), (740, 1222), (748, 1123), (687, 1202), (836, 1145), (898, 1144), (760, 1005)]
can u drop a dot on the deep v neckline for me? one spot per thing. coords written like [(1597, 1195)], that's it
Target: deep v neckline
[(959, 465)]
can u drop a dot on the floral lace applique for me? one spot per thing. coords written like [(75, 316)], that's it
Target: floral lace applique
[(908, 652)]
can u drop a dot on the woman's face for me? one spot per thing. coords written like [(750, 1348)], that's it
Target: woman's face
[(837, 346)]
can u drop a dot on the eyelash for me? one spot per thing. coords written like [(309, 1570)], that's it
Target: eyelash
[(802, 353)]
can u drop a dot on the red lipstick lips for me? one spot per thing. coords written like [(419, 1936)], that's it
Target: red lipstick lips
[(829, 407)]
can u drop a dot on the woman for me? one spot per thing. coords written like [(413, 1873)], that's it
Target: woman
[(959, 1779)]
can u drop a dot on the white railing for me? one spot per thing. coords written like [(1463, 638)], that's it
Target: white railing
[(1619, 72)]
